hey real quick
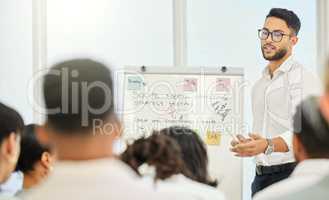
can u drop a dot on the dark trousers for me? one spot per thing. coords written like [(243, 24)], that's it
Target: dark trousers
[(262, 181)]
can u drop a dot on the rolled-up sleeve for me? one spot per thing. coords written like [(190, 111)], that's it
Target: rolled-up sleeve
[(287, 137)]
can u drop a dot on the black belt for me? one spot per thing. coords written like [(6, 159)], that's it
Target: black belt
[(264, 170)]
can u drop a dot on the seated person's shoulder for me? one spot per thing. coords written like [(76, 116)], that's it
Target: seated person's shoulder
[(281, 188), (193, 188)]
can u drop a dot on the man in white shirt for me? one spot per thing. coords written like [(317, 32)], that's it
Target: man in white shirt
[(275, 95), (80, 127), (311, 148)]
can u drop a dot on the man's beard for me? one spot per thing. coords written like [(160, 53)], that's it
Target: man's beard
[(277, 56)]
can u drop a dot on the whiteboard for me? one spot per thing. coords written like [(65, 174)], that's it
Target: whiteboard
[(208, 100)]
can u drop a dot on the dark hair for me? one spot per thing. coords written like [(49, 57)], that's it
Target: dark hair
[(194, 153), (69, 86), (157, 150), (10, 122), (312, 129), (31, 150), (288, 16)]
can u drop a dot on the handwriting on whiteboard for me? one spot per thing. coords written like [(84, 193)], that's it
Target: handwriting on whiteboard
[(221, 107)]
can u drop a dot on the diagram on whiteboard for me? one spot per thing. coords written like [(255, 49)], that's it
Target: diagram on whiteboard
[(153, 102)]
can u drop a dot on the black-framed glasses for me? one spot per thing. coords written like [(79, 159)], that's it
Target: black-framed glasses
[(275, 35)]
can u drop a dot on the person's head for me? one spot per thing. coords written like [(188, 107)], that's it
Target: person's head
[(194, 152), (157, 150), (279, 34), (11, 128), (311, 131), (78, 96), (35, 160)]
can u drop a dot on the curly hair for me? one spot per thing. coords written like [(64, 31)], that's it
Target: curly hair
[(159, 151)]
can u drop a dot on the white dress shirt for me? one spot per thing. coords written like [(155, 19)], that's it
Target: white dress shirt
[(274, 102), (96, 179), (306, 174)]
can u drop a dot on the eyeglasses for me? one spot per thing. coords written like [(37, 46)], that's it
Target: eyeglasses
[(275, 35)]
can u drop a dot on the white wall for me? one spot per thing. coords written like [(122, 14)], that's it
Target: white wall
[(122, 32), (16, 54)]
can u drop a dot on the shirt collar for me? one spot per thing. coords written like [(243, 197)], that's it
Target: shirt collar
[(284, 67), (312, 167)]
